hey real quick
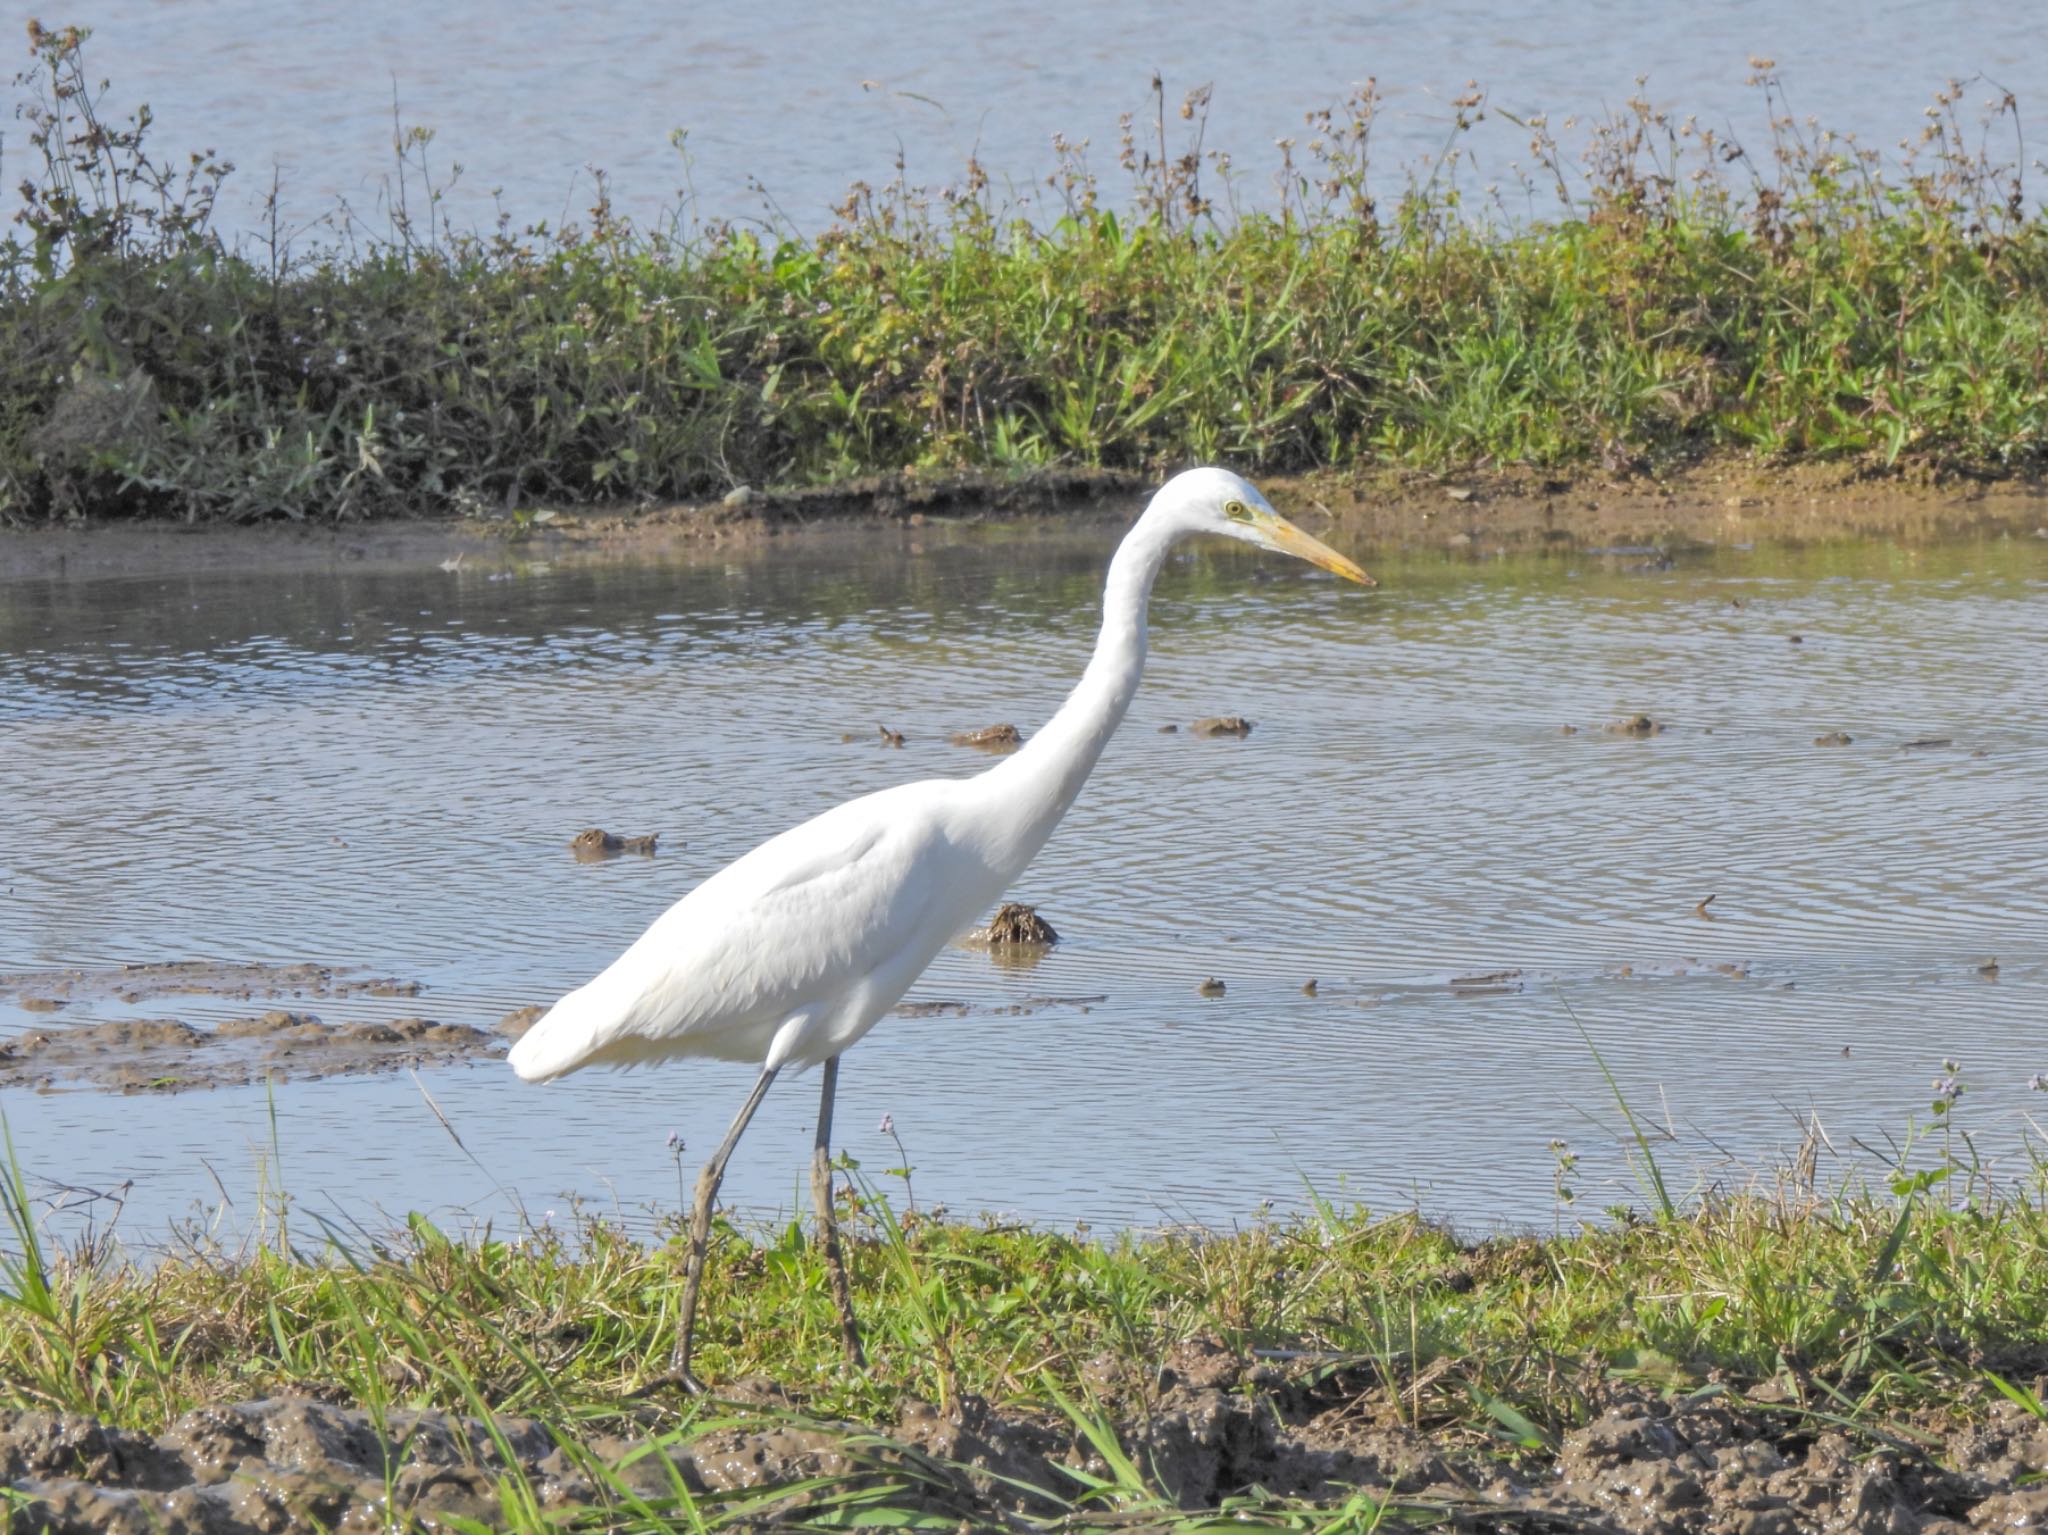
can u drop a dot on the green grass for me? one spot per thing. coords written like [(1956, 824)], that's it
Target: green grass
[(1672, 297), (1891, 1298), (1890, 1313)]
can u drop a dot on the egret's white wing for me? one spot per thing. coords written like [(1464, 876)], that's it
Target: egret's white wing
[(801, 922)]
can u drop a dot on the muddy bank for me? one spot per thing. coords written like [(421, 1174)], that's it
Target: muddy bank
[(1728, 501), (76, 1049), (164, 1055), (132, 1055), (1205, 1426), (1723, 501)]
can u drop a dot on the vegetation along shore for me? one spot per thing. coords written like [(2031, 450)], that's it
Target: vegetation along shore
[(1783, 1359), (1642, 297)]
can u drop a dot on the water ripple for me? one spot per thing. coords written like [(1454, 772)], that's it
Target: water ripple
[(384, 771)]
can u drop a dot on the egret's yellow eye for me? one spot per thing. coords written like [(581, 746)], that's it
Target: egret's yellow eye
[(1237, 511)]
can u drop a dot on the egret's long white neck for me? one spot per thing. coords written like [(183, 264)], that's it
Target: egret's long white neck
[(1042, 780)]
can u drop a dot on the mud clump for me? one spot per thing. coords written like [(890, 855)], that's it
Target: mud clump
[(1637, 725), (1220, 726), (597, 843), (519, 1020), (1015, 925), (143, 1055), (999, 739)]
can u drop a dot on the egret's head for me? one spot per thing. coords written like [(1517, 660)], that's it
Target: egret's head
[(1217, 501)]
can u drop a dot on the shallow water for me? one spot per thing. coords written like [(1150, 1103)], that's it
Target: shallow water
[(786, 106), (381, 770)]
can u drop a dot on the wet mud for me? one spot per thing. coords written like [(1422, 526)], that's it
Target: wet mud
[(1638, 518), (1719, 502), (168, 1054), (1204, 1425), (164, 1055)]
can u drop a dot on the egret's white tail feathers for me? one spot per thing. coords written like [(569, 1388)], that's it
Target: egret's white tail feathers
[(571, 1034)]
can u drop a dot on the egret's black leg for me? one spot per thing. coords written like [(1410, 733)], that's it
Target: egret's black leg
[(700, 1228), (828, 1226)]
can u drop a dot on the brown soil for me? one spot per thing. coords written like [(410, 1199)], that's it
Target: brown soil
[(162, 1055), (1722, 501), (1205, 1426)]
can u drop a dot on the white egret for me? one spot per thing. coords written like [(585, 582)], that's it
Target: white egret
[(790, 954)]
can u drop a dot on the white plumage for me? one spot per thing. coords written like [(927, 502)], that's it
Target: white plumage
[(791, 953)]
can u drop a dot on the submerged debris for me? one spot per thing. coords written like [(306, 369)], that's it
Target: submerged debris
[(1015, 925), (990, 738), (597, 843), (1488, 981), (1222, 725)]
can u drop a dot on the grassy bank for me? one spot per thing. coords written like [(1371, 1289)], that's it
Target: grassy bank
[(1639, 299), (1898, 1322)]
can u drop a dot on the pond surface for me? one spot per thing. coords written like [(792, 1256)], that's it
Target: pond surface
[(786, 105), (380, 771)]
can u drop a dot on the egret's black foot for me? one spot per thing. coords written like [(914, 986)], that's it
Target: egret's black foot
[(683, 1379)]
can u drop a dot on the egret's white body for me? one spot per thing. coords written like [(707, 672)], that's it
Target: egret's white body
[(791, 953)]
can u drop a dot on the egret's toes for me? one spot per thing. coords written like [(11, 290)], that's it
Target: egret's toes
[(682, 1379)]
